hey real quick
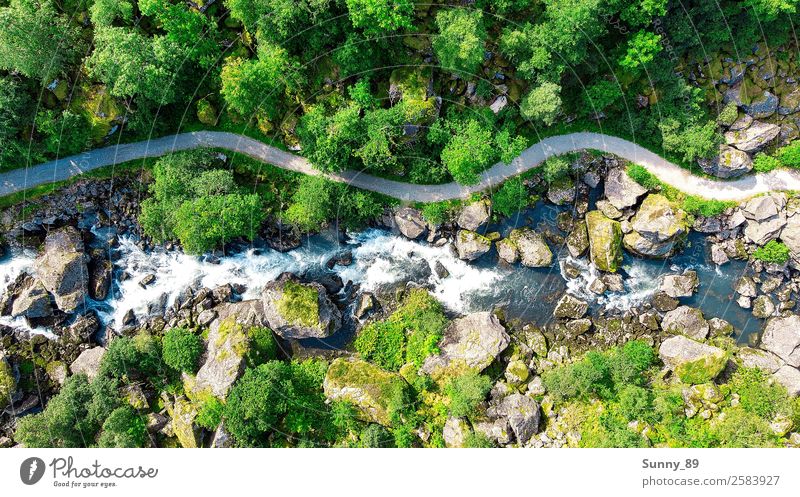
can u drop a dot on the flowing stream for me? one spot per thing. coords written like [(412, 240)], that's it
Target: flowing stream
[(382, 261)]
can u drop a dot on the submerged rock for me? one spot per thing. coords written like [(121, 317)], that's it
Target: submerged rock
[(680, 285), (472, 341), (371, 389), (605, 241)]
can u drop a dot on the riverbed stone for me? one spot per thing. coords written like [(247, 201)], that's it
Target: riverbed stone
[(621, 190), (62, 268), (763, 307), (782, 338), (471, 245), (687, 321), (523, 415), (299, 310), (765, 216), (507, 251), (33, 301), (455, 432), (410, 222), (570, 307), (605, 241), (693, 362), (762, 106), (475, 215), (658, 228), (680, 285), (578, 240), (371, 389), (532, 247), (473, 341), (718, 327), (756, 136)]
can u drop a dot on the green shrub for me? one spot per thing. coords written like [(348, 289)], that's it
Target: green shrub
[(209, 413), (644, 177), (511, 197), (439, 212), (729, 114), (466, 392), (382, 343), (773, 252), (704, 207), (124, 427), (476, 440), (263, 346), (375, 436), (135, 359), (181, 349), (741, 428), (555, 168), (764, 163), (635, 403), (790, 154), (759, 395)]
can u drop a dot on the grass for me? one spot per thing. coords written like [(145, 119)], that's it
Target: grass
[(690, 203)]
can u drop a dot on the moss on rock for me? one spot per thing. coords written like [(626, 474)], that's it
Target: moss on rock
[(605, 241)]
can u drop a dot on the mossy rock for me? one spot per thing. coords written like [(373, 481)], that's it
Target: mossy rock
[(7, 383), (701, 370), (206, 113), (374, 391), (605, 241), (183, 414), (299, 304)]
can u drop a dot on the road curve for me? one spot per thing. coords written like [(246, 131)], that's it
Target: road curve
[(739, 189)]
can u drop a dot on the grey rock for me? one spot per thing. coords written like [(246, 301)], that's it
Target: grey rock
[(754, 358), (88, 362), (763, 307), (782, 338), (755, 137), (471, 245), (473, 340), (678, 351), (686, 321), (474, 215), (763, 106), (570, 307), (621, 190), (729, 163), (455, 432), (533, 249), (680, 285), (33, 301), (523, 415), (410, 222), (62, 268), (324, 318), (789, 377)]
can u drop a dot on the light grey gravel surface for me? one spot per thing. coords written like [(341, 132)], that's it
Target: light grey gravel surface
[(61, 169)]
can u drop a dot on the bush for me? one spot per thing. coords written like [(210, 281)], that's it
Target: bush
[(135, 359), (705, 207), (475, 440), (375, 436), (382, 343), (466, 392), (764, 163), (759, 395), (511, 197), (555, 168), (181, 349), (644, 177), (209, 413), (124, 427), (729, 114), (263, 346), (790, 155), (439, 212), (773, 252)]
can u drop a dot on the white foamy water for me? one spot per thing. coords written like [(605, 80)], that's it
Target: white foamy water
[(640, 285), (10, 268)]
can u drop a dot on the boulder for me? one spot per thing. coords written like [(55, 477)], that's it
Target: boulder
[(658, 228), (605, 241), (32, 301), (183, 413), (746, 287), (532, 248), (8, 383), (789, 377), (455, 432), (782, 338), (410, 222), (754, 358), (766, 217), (680, 285), (522, 413), (88, 362), (686, 321), (474, 215), (730, 163), (62, 268), (753, 138), (371, 389), (471, 245), (100, 279), (621, 190), (763, 307), (578, 240), (790, 102), (762, 106), (693, 362), (228, 342), (507, 251), (718, 327), (472, 341), (570, 307), (562, 191), (791, 235), (299, 310)]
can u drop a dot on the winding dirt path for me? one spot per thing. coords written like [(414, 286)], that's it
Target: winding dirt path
[(739, 189)]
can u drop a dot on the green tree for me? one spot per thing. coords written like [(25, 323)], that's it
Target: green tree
[(601, 95), (105, 12), (377, 17), (280, 399), (311, 205), (690, 140), (187, 28), (124, 427), (511, 197), (132, 359), (181, 349), (36, 40), (555, 168), (643, 48), (133, 65), (249, 86), (73, 417), (542, 104), (204, 223), (469, 152), (63, 133), (462, 36), (14, 105)]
